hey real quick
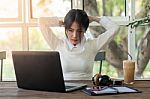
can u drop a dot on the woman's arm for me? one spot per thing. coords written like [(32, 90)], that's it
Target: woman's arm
[(108, 35), (45, 24), (94, 19)]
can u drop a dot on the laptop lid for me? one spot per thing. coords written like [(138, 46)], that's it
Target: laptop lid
[(40, 70)]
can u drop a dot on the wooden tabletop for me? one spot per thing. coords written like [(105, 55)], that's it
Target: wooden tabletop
[(9, 90)]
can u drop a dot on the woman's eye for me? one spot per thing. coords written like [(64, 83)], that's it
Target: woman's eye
[(70, 30), (79, 31)]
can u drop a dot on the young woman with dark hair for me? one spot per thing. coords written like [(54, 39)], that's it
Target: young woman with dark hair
[(77, 51)]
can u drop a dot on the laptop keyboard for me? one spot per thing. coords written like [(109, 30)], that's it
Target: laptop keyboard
[(68, 87)]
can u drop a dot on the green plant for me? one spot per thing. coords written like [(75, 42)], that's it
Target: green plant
[(143, 21)]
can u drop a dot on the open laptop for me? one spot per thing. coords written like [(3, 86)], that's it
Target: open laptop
[(41, 70)]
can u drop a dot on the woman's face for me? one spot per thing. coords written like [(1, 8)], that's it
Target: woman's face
[(75, 33)]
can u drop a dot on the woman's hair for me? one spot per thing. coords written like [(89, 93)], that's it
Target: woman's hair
[(76, 15)]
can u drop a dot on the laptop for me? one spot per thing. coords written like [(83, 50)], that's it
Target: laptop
[(42, 71)]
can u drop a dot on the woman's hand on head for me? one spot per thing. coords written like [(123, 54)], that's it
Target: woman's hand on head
[(93, 18), (90, 19), (61, 23)]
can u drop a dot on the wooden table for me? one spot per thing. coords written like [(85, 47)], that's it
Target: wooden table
[(9, 90)]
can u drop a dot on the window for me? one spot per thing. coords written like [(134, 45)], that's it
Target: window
[(49, 8), (9, 10), (36, 40), (10, 39), (106, 7)]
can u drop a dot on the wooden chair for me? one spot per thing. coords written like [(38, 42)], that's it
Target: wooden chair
[(2, 56), (100, 56)]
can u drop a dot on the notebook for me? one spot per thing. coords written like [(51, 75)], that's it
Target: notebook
[(109, 90), (41, 70)]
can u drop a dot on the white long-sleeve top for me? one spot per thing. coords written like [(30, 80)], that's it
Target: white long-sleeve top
[(77, 62)]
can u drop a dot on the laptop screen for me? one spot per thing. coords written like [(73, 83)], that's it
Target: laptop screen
[(40, 70)]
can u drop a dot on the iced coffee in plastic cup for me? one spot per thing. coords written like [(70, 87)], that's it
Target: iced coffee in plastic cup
[(128, 70)]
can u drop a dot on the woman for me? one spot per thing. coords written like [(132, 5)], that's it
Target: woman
[(76, 51)]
